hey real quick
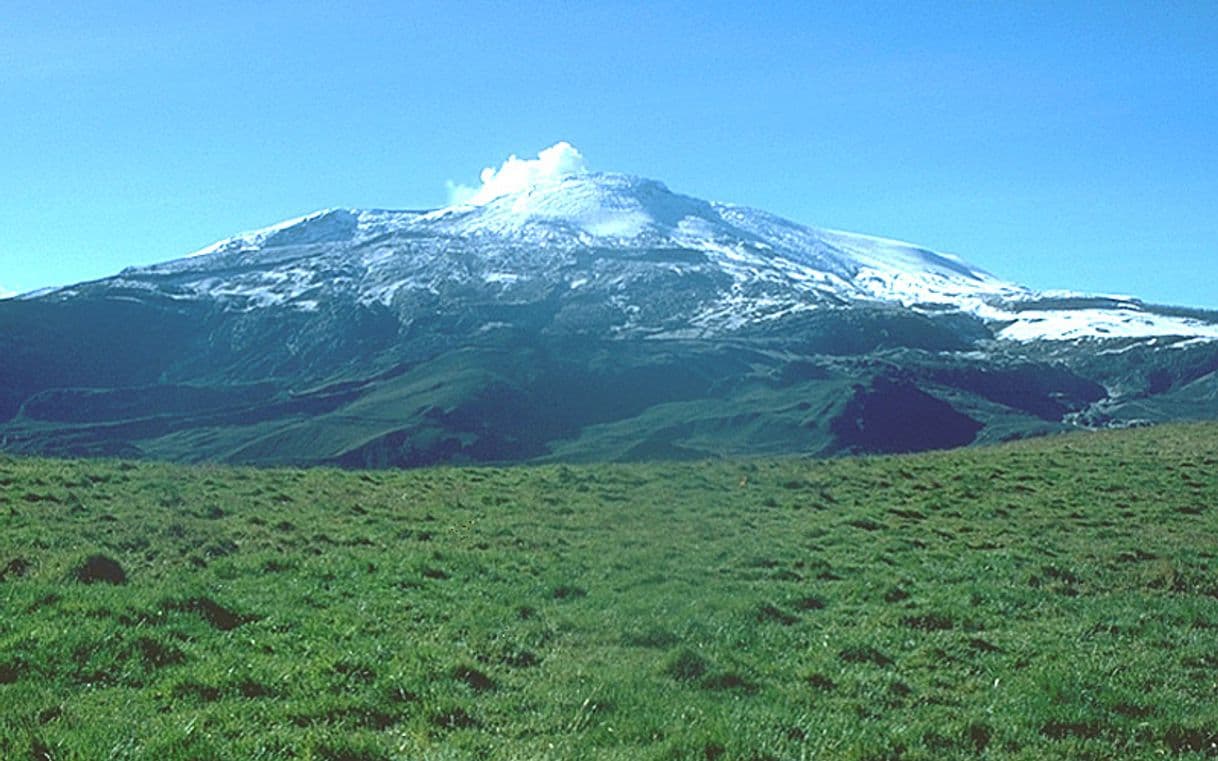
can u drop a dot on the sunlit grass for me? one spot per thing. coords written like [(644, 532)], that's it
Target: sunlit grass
[(1050, 599)]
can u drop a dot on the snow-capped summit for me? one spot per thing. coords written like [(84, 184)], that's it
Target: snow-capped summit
[(550, 225), (595, 205)]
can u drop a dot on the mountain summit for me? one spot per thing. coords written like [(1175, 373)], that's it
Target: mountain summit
[(549, 223), (557, 312)]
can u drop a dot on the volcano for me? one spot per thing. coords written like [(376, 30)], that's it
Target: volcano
[(557, 313)]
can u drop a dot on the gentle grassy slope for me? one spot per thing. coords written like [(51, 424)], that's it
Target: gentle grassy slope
[(1055, 598)]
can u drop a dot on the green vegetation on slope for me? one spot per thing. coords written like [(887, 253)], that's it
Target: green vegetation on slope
[(1055, 598)]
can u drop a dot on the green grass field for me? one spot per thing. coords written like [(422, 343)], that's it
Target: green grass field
[(1055, 598)]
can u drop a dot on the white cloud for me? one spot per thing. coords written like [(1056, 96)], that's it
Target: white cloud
[(6, 293), (516, 175)]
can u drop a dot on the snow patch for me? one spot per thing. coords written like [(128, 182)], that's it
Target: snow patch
[(623, 225), (506, 278), (1062, 293), (1073, 324), (383, 294), (1192, 342), (334, 222)]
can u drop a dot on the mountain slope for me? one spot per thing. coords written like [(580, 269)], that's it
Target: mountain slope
[(561, 313)]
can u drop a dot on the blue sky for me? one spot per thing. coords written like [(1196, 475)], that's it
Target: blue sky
[(1061, 145)]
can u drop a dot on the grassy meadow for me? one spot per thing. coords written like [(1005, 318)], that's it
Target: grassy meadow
[(1055, 598)]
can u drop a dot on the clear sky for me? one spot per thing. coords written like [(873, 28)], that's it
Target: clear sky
[(1057, 144)]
